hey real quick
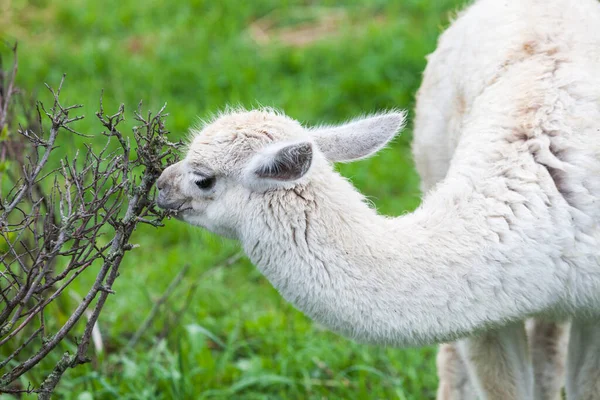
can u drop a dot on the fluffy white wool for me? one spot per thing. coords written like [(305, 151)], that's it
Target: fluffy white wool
[(510, 230), (520, 78)]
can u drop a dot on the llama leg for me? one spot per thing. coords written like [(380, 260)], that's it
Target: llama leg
[(548, 348), (498, 363), (583, 368), (454, 383)]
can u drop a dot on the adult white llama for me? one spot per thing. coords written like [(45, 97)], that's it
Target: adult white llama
[(510, 231)]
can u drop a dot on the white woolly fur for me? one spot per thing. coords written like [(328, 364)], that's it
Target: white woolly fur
[(507, 140), (510, 102)]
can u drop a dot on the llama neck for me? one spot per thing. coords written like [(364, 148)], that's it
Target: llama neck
[(454, 266)]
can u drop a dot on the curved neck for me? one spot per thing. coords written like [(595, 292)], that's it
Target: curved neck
[(452, 267)]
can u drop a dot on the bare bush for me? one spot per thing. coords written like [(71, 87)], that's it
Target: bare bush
[(63, 217)]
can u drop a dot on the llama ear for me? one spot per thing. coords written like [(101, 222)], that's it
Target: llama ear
[(360, 138), (282, 162)]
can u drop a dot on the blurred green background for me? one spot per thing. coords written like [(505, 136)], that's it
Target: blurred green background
[(225, 333)]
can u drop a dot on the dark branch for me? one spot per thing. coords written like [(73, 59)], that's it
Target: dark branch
[(81, 209)]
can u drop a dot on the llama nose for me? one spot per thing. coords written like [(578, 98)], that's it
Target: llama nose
[(160, 200), (160, 183), (163, 202)]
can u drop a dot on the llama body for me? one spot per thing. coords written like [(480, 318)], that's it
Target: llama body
[(510, 231), (533, 60)]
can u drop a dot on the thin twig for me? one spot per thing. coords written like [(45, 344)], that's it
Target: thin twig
[(156, 307), (177, 315)]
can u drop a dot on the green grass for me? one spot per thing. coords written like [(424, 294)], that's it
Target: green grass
[(238, 338)]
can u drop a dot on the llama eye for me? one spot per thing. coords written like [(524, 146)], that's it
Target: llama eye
[(206, 183)]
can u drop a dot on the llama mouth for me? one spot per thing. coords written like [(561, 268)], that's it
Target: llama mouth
[(179, 211), (176, 212)]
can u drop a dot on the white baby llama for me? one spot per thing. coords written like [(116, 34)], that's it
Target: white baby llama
[(510, 231)]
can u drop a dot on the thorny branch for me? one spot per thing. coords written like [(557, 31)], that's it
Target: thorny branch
[(64, 217)]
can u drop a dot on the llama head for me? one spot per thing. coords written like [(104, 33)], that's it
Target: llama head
[(238, 157)]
